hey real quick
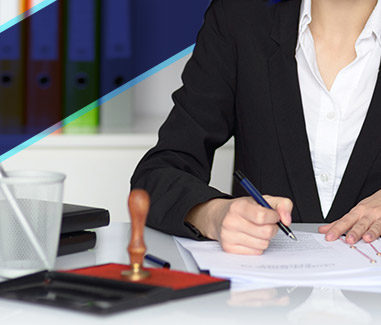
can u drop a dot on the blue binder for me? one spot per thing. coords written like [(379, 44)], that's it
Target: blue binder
[(81, 63), (115, 63)]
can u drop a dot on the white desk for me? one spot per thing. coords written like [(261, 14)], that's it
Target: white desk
[(273, 306)]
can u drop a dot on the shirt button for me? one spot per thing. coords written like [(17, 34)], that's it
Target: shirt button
[(324, 178), (331, 116)]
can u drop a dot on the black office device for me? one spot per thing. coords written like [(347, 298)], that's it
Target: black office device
[(77, 221), (78, 217)]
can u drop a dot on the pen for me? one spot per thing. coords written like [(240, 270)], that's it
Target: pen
[(250, 188), (156, 260)]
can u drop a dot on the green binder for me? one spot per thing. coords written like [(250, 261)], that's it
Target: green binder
[(81, 65)]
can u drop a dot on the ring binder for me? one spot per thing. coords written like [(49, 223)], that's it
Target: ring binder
[(81, 63), (44, 68), (12, 72)]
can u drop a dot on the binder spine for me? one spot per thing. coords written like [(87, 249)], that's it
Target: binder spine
[(44, 68), (12, 73), (116, 63), (81, 63)]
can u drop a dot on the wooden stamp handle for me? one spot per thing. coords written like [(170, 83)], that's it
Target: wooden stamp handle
[(138, 205)]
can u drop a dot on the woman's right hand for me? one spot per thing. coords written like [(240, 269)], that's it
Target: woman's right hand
[(241, 225)]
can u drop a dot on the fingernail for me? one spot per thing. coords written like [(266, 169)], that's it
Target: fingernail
[(330, 236), (368, 237), (350, 239)]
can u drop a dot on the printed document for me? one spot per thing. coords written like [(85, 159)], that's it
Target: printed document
[(310, 260)]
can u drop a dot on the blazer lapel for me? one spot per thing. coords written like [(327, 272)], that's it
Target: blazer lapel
[(365, 151), (288, 113)]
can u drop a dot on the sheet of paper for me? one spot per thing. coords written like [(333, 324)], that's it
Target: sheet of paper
[(309, 260)]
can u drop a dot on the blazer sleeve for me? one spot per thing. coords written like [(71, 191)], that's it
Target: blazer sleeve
[(176, 172)]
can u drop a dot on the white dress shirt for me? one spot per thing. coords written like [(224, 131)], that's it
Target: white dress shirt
[(334, 118)]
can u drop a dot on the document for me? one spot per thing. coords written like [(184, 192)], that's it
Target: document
[(309, 261)]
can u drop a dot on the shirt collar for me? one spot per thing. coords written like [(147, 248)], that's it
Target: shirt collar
[(305, 15), (304, 19), (373, 24)]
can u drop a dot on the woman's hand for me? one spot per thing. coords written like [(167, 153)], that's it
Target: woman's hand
[(363, 221), (241, 225)]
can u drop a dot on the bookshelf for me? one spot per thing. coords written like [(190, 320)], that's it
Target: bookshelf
[(99, 166)]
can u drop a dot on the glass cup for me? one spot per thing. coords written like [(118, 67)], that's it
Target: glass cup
[(29, 237)]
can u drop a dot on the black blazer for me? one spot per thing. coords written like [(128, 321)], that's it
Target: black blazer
[(242, 81)]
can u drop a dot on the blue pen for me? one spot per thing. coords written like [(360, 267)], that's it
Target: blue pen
[(157, 261), (250, 188)]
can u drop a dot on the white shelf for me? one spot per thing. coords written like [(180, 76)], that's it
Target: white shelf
[(102, 141), (99, 141)]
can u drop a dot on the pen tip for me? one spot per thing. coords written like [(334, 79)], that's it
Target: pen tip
[(292, 236)]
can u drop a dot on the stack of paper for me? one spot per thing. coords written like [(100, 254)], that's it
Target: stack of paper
[(310, 261)]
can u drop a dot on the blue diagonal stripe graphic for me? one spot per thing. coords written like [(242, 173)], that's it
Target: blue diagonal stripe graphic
[(26, 14)]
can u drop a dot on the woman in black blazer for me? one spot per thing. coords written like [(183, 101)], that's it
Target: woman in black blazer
[(242, 82)]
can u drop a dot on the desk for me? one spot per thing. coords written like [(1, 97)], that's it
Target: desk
[(273, 306)]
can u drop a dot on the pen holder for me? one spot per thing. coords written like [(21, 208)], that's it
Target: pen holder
[(37, 196)]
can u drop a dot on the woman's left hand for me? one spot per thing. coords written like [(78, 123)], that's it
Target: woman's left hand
[(363, 221)]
